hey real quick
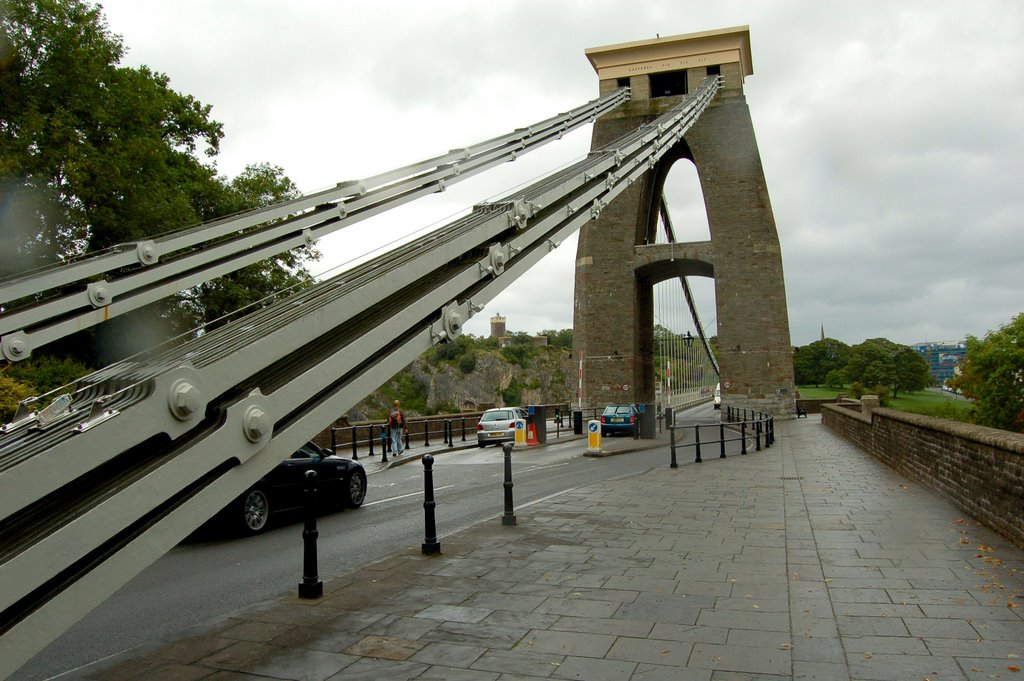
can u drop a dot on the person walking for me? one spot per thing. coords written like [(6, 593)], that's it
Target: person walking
[(397, 427)]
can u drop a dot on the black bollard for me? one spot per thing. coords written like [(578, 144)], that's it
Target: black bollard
[(430, 543), (451, 432), (757, 436), (672, 445), (383, 449), (370, 436), (743, 437), (426, 433), (696, 435), (721, 440), (510, 517), (310, 586)]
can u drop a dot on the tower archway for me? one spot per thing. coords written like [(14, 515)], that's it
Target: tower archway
[(618, 259)]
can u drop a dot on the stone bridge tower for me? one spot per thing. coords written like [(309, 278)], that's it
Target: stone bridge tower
[(617, 263)]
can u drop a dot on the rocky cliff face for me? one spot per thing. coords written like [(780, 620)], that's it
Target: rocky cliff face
[(548, 377)]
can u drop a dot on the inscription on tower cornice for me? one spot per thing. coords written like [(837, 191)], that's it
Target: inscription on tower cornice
[(672, 53), (674, 64)]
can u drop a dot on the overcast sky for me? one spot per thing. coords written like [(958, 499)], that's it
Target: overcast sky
[(890, 132)]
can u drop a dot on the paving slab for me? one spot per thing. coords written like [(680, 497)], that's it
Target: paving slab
[(806, 560)]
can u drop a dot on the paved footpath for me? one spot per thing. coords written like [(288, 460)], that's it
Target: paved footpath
[(808, 560)]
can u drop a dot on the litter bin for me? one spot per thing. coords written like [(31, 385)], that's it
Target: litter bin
[(537, 416), (648, 421)]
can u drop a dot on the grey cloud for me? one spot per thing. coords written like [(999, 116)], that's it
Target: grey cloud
[(889, 132)]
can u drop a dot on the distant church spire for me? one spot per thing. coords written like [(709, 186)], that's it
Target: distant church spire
[(822, 332)]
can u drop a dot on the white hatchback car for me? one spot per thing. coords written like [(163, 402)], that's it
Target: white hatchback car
[(498, 425)]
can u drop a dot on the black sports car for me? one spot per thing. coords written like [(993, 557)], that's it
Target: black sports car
[(339, 482)]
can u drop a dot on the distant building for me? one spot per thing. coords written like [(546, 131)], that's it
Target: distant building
[(498, 327), (943, 357), (500, 332)]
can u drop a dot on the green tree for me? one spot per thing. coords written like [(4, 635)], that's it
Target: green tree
[(879, 361), (467, 363), (912, 372), (559, 339), (517, 354), (513, 394), (12, 391), (835, 378), (91, 153), (812, 363), (36, 376), (94, 154), (992, 374), (258, 186), (47, 373)]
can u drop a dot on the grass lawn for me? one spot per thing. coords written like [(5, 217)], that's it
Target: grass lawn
[(927, 402)]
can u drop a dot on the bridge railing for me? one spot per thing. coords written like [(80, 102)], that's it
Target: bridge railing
[(748, 422), (367, 438), (684, 399)]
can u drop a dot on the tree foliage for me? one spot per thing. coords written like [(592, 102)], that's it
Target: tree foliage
[(517, 353), (877, 365), (559, 339), (94, 154), (813, 363), (992, 374), (879, 361), (12, 391), (47, 373), (258, 186)]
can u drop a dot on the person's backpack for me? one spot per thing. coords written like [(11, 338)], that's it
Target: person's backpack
[(395, 419)]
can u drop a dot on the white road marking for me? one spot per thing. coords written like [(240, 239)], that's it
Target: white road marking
[(404, 496)]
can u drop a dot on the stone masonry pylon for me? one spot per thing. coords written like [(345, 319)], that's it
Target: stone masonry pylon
[(617, 266)]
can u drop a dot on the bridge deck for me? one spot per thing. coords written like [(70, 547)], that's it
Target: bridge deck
[(806, 560)]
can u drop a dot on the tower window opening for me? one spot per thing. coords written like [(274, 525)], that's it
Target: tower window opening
[(668, 84), (715, 70)]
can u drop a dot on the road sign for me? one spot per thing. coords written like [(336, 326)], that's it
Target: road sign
[(593, 436), (520, 432)]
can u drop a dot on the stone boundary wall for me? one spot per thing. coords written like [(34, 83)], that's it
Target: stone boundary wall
[(812, 405), (980, 470)]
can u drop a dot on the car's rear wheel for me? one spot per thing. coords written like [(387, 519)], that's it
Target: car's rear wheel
[(356, 491), (255, 511)]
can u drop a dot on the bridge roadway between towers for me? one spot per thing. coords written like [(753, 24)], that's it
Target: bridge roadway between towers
[(807, 560)]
